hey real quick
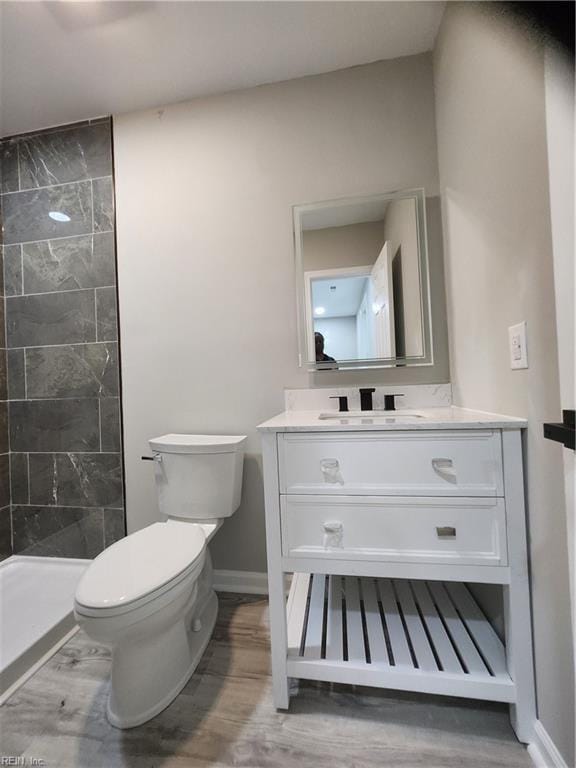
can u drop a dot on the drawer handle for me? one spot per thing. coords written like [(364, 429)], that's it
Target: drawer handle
[(333, 534), (446, 532), (445, 469), (331, 471)]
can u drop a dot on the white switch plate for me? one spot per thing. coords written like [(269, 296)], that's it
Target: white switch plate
[(518, 348)]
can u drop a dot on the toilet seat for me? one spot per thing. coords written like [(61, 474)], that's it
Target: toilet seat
[(141, 567)]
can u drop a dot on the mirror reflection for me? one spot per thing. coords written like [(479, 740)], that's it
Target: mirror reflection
[(363, 281)]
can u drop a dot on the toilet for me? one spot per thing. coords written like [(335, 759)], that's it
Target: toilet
[(150, 595)]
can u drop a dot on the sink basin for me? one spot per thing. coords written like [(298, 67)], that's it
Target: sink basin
[(389, 416)]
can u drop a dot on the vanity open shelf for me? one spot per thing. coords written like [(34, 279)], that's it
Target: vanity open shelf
[(410, 635)]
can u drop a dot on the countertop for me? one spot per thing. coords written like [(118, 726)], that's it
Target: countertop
[(448, 417)]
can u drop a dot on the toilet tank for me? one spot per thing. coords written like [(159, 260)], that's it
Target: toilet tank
[(198, 477)]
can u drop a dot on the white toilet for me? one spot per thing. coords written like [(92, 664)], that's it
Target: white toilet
[(150, 594)]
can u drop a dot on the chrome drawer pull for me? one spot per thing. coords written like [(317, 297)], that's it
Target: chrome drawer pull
[(333, 534), (331, 471), (445, 468), (446, 532)]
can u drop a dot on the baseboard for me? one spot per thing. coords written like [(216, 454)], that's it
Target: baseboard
[(245, 582), (543, 751)]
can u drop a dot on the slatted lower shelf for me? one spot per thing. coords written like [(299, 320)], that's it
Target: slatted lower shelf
[(428, 636)]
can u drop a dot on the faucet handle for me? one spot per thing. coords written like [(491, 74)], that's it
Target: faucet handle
[(390, 403), (342, 402)]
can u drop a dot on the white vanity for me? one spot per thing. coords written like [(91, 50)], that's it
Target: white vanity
[(383, 521)]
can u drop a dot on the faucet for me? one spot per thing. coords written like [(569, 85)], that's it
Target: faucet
[(366, 398)]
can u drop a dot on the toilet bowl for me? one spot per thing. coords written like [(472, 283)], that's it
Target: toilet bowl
[(150, 596)]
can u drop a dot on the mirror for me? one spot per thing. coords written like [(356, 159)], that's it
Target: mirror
[(363, 282)]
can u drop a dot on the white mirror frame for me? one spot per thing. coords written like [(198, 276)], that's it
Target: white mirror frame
[(306, 346)]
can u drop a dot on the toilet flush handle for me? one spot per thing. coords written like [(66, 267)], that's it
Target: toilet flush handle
[(156, 457)]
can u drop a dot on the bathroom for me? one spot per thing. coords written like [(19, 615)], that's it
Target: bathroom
[(185, 173)]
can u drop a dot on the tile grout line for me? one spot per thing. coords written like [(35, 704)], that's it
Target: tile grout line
[(58, 399), (21, 270), (69, 453), (70, 506), (65, 290), (17, 166), (61, 237), (65, 344), (96, 314), (53, 186), (7, 403), (28, 472), (24, 356), (100, 422), (92, 202)]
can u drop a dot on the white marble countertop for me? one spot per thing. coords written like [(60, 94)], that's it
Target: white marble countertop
[(448, 417)]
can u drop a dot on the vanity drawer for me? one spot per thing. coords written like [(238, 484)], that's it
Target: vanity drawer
[(395, 529), (414, 463)]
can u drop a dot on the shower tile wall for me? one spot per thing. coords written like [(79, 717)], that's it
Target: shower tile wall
[(5, 524), (61, 339)]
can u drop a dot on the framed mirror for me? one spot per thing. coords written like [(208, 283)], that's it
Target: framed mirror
[(362, 281)]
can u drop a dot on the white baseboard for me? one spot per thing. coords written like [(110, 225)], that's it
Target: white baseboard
[(245, 582), (543, 751)]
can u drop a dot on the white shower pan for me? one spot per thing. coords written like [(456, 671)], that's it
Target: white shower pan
[(36, 614)]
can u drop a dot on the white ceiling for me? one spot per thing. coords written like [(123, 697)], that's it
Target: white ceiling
[(66, 61), (340, 296)]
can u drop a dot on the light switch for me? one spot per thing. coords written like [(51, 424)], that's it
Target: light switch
[(518, 348)]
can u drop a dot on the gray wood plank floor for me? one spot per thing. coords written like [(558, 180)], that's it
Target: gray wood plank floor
[(224, 717)]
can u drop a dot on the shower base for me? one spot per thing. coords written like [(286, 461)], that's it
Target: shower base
[(36, 614)]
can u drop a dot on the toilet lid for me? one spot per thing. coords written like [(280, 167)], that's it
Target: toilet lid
[(140, 564)]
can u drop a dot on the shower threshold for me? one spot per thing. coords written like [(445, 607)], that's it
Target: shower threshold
[(36, 614)]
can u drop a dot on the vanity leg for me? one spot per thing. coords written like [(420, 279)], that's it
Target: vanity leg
[(517, 611), (276, 585)]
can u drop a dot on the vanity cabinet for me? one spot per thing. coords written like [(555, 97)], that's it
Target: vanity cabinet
[(383, 531)]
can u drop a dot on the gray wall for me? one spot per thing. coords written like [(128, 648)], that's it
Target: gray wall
[(61, 335), (354, 245), (206, 261), (494, 178)]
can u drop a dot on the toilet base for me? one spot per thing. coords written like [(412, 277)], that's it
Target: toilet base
[(173, 656)]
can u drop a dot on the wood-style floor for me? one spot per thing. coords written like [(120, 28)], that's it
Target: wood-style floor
[(224, 717)]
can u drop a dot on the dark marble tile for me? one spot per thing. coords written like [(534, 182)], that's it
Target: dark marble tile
[(19, 477), (110, 423), (80, 370), (114, 526), (57, 531), (9, 165), (27, 214), (16, 382), (103, 202), (62, 265), (52, 318), (106, 314), (4, 480), (54, 425), (59, 157), (4, 444), (5, 533), (12, 270), (3, 375), (76, 479)]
